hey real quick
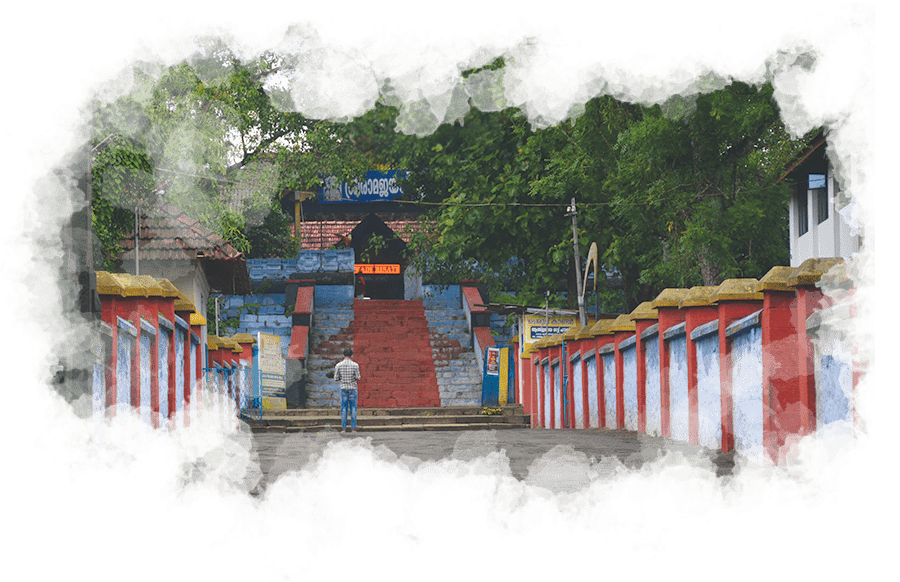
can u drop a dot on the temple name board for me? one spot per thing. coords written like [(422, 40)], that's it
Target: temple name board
[(375, 186), (373, 269)]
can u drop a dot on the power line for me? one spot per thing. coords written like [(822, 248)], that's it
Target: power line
[(463, 204)]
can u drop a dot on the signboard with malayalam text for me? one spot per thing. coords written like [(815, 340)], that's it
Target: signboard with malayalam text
[(538, 326), (374, 187)]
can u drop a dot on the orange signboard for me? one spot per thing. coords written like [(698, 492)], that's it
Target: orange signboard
[(370, 269)]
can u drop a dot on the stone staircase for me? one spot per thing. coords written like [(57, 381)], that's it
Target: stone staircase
[(410, 356), (458, 375), (262, 312), (330, 334), (392, 419), (393, 350)]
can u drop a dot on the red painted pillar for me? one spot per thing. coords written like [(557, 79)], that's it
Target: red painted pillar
[(568, 398), (538, 389), (809, 299), (585, 344), (736, 299), (622, 328), (698, 310), (783, 411), (108, 314), (554, 348), (669, 314), (563, 387), (200, 353), (535, 388), (860, 363), (643, 316), (542, 355)]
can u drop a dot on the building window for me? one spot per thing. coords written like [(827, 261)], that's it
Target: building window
[(802, 212), (821, 205)]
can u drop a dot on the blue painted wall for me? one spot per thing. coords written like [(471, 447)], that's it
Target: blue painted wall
[(652, 387), (165, 340), (709, 396), (557, 396), (747, 390), (834, 394), (179, 379), (593, 410), (629, 383), (679, 410), (145, 378)]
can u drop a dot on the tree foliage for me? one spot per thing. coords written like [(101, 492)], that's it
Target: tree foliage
[(670, 202), (217, 138)]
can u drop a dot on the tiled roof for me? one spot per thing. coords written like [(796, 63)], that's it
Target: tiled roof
[(169, 233), (319, 235)]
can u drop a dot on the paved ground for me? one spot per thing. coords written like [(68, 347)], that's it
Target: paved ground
[(561, 461), (265, 470)]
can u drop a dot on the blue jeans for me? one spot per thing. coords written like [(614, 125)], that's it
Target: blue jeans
[(348, 399)]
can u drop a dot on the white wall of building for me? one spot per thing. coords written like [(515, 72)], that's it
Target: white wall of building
[(825, 236)]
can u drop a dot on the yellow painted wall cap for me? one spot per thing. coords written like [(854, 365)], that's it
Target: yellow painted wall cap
[(602, 327), (585, 332), (622, 323), (554, 340), (644, 311), (698, 296), (168, 288), (811, 270), (108, 285), (571, 333), (152, 286), (737, 290), (669, 298), (776, 279)]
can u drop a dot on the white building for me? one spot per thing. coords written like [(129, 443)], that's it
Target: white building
[(817, 228)]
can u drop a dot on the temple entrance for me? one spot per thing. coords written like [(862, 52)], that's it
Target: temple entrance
[(380, 259)]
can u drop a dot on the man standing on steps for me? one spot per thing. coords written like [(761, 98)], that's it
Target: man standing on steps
[(347, 373)]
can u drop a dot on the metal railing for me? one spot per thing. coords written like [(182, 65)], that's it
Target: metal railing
[(232, 394)]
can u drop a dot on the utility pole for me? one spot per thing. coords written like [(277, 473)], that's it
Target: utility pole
[(216, 300), (137, 239), (573, 212)]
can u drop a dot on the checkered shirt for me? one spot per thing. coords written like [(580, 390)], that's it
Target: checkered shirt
[(347, 373)]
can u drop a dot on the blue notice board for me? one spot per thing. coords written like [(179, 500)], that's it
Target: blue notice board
[(376, 186)]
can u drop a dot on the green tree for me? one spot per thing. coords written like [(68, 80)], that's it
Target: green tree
[(696, 201), (267, 229), (220, 140), (500, 181)]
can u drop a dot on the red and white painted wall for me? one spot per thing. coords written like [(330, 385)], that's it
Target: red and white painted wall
[(151, 354), (748, 365)]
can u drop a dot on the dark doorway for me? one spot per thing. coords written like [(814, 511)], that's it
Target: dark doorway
[(375, 243)]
